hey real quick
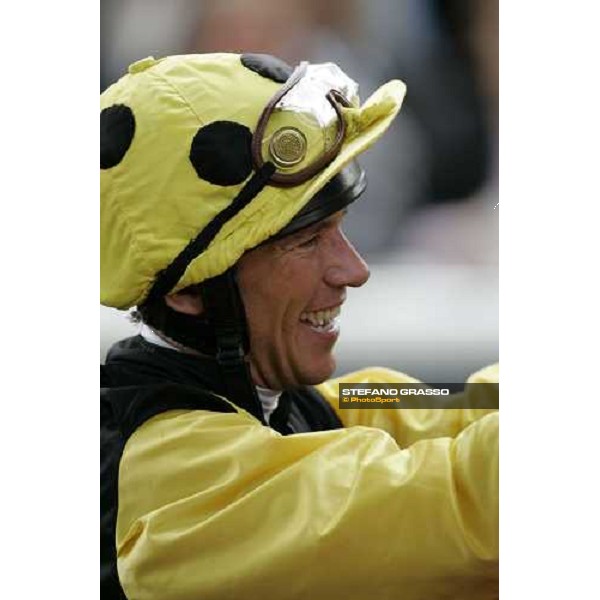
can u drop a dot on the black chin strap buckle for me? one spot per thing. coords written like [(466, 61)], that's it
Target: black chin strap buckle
[(230, 352), (229, 357)]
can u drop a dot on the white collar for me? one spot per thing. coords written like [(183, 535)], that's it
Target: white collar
[(269, 400), (151, 336)]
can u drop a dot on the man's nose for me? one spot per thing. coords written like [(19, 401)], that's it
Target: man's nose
[(347, 267)]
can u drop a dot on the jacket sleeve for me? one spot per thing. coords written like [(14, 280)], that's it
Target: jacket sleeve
[(215, 505), (408, 425)]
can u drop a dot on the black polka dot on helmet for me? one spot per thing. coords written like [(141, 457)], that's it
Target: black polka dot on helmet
[(221, 153), (268, 66), (117, 128)]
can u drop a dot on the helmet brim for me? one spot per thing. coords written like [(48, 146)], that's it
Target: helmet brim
[(339, 192)]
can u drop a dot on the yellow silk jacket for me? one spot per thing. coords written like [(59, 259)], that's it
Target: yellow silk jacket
[(398, 504)]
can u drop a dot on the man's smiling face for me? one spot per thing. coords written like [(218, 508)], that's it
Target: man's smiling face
[(293, 290)]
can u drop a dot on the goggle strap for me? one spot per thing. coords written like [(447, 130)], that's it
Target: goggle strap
[(168, 278)]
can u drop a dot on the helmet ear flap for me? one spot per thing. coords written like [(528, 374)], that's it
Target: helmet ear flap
[(221, 153)]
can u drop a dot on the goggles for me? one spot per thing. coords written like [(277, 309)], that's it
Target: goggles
[(315, 95)]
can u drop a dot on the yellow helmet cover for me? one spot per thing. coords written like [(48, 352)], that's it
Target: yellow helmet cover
[(179, 143)]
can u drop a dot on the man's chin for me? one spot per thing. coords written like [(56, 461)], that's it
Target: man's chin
[(318, 373), (302, 368)]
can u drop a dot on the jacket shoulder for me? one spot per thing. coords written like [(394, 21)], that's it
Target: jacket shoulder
[(129, 407)]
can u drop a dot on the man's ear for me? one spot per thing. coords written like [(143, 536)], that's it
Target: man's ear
[(185, 302)]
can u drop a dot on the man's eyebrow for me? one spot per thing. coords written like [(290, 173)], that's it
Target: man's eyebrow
[(316, 227), (307, 232)]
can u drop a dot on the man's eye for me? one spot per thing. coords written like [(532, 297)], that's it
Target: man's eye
[(311, 241)]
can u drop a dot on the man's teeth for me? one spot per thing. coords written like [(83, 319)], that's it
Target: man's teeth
[(320, 318)]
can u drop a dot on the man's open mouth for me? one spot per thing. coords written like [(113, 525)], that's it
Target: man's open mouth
[(322, 320)]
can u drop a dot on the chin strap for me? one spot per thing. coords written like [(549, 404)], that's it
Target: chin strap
[(225, 310)]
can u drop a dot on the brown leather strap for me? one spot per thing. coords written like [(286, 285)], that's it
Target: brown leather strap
[(335, 98)]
